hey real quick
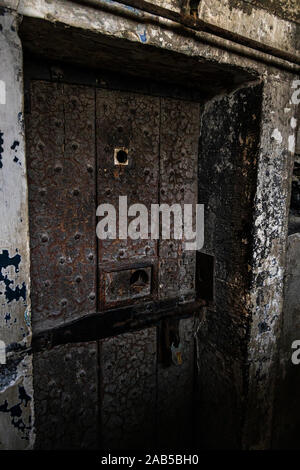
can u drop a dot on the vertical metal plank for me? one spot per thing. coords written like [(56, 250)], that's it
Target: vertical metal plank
[(61, 153), (79, 246), (45, 143), (175, 395), (66, 397), (129, 390), (179, 133), (131, 121)]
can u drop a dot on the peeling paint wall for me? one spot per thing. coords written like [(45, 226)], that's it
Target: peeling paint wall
[(16, 393), (275, 165), (228, 157), (260, 25), (252, 22), (287, 9)]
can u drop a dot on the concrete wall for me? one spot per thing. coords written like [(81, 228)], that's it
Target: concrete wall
[(277, 148), (252, 22)]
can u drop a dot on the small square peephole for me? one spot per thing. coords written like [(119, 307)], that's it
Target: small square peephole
[(121, 156)]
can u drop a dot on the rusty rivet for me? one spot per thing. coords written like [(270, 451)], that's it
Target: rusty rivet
[(92, 296), (58, 168), (67, 399), (44, 238)]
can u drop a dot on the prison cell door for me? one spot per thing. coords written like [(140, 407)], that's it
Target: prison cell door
[(87, 146)]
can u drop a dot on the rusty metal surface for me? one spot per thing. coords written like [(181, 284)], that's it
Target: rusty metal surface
[(176, 394), (74, 136), (145, 405), (60, 162), (132, 121), (129, 390), (159, 137), (178, 184), (116, 321), (66, 397), (128, 284)]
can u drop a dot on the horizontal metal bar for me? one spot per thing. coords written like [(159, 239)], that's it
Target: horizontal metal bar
[(113, 322)]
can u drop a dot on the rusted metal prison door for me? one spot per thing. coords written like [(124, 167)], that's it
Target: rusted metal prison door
[(87, 146)]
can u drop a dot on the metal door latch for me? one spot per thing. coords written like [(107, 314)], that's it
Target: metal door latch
[(176, 354), (170, 346)]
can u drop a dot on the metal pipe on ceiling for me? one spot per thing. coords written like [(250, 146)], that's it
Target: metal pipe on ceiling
[(205, 27)]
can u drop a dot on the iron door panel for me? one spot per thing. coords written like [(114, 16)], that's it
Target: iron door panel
[(66, 397), (179, 134), (131, 121), (128, 122), (60, 162)]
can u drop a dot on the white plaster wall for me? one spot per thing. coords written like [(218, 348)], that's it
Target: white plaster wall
[(15, 330)]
